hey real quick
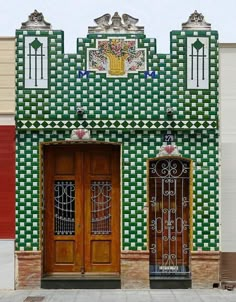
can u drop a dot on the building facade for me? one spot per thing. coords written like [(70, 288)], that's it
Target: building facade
[(7, 162), (228, 126), (117, 158)]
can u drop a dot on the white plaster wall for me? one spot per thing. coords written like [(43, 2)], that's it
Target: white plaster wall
[(7, 264), (7, 75), (228, 146)]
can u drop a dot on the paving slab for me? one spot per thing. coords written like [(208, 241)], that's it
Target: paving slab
[(116, 295)]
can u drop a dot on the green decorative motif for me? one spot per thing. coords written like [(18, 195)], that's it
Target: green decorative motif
[(198, 45), (36, 44)]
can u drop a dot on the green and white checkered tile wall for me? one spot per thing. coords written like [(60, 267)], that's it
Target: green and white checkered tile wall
[(130, 110), (103, 98), (138, 146)]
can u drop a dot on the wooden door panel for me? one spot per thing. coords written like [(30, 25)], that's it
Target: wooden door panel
[(100, 163), (64, 163), (102, 215), (101, 251), (64, 251), (81, 229)]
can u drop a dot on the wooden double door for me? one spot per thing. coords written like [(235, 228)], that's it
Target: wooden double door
[(81, 208)]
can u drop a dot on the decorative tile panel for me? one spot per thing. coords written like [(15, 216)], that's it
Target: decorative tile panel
[(197, 63), (116, 57), (36, 62)]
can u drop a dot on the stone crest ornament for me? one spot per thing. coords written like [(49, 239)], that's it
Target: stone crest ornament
[(169, 150), (36, 21), (80, 134), (126, 24), (196, 21)]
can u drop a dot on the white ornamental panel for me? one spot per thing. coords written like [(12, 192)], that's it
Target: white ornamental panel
[(36, 62), (197, 63)]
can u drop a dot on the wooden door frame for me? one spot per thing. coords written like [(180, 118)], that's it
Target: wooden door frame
[(190, 199), (41, 184)]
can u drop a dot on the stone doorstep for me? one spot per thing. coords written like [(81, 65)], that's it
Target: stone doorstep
[(229, 285), (34, 299)]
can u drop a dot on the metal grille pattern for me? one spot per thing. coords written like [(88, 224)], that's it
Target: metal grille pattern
[(101, 207), (64, 207), (169, 217)]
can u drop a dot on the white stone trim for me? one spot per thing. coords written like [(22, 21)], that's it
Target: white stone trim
[(7, 119), (7, 263)]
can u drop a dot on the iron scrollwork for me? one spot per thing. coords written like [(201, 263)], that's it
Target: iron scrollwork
[(64, 207), (101, 207), (169, 226)]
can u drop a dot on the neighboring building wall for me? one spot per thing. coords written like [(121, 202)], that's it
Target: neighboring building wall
[(228, 161), (7, 162)]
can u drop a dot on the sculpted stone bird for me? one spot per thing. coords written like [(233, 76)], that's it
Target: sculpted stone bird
[(129, 21), (103, 21)]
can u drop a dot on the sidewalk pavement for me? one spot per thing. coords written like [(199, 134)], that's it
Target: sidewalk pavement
[(119, 295)]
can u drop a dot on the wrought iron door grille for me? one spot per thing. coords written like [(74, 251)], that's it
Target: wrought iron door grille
[(101, 207), (64, 207), (169, 181)]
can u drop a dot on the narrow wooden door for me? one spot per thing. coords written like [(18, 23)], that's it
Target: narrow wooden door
[(81, 218)]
